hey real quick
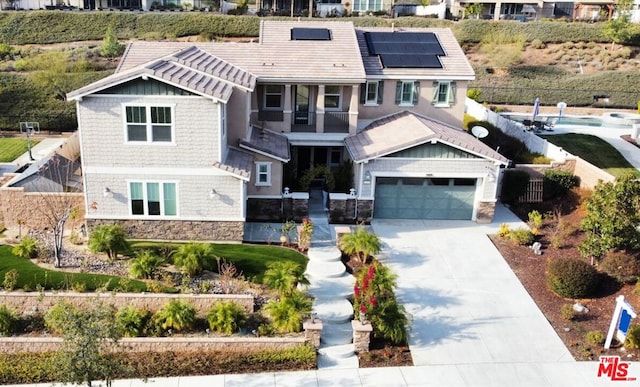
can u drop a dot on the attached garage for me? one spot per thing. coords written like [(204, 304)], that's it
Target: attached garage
[(429, 198)]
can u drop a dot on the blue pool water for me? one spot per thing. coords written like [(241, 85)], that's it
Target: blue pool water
[(565, 120)]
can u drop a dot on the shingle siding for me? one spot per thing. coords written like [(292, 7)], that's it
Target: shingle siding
[(101, 124)]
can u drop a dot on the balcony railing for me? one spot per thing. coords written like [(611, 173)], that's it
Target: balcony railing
[(336, 122)]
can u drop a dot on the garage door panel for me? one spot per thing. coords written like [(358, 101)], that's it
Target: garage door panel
[(411, 198)]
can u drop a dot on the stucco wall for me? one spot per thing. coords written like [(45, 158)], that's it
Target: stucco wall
[(275, 188), (451, 115)]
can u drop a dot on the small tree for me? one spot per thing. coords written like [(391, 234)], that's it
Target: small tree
[(473, 9), (110, 239), (110, 47), (620, 29), (613, 215), (361, 242), (82, 359)]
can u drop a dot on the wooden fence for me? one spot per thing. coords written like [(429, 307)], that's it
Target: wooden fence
[(534, 191)]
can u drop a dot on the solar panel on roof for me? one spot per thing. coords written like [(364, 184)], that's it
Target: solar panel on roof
[(310, 34), (410, 61), (405, 49)]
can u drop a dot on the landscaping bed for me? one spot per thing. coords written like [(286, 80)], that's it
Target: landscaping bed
[(531, 269)]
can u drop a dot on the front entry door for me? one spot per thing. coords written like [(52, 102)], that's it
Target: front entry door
[(302, 105)]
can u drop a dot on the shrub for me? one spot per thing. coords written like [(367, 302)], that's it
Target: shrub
[(132, 321), (193, 257), (504, 230), (567, 312), (110, 239), (514, 185), (572, 278), (284, 277), (10, 279), (633, 337), (521, 236), (176, 315), (622, 266), (145, 264), (595, 337), (474, 94), (288, 313), (558, 182), (226, 317), (8, 321), (362, 243), (28, 248), (535, 219), (57, 316), (537, 44)]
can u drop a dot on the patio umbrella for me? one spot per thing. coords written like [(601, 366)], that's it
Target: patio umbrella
[(536, 108)]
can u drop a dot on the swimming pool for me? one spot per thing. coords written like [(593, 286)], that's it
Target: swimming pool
[(593, 121)]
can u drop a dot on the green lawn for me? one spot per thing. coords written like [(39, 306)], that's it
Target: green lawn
[(30, 275), (594, 150), (12, 148), (252, 260)]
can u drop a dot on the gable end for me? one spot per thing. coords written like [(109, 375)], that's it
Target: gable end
[(433, 151), (139, 86)]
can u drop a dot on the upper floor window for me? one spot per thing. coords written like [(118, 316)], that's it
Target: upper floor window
[(444, 93), (149, 123), (407, 93), (367, 5), (332, 96), (153, 198), (263, 173), (371, 93), (273, 97)]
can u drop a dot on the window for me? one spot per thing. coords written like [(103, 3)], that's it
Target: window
[(335, 156), (273, 97), (332, 97), (153, 198), (223, 119), (371, 93), (444, 93), (407, 93), (367, 5), (149, 123), (263, 173)]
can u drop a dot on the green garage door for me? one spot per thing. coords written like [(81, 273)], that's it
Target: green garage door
[(416, 198)]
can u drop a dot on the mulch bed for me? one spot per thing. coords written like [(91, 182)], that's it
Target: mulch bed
[(530, 270)]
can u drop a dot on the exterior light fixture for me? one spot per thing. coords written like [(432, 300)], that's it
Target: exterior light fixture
[(213, 194), (107, 192)]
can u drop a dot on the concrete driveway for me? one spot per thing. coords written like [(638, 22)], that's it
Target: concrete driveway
[(466, 304)]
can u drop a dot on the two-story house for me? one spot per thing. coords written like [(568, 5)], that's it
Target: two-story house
[(188, 141)]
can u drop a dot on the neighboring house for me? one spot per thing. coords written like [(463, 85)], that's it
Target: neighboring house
[(188, 141), (54, 173), (524, 10)]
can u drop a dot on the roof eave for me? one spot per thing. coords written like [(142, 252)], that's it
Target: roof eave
[(247, 146)]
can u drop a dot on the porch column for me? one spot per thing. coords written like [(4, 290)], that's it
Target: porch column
[(353, 109), (498, 9), (286, 112), (320, 110)]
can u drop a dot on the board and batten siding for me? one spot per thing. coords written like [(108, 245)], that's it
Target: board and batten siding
[(102, 130)]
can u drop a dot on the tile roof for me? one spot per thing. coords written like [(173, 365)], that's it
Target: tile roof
[(237, 163), (190, 68), (381, 137), (275, 56), (454, 64), (56, 168), (267, 142)]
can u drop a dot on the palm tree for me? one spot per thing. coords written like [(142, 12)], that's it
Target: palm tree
[(193, 257), (288, 313), (391, 322), (110, 239), (284, 276), (361, 242), (145, 264)]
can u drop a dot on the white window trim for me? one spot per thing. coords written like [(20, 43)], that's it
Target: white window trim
[(338, 94), (413, 90), (373, 102), (446, 103), (145, 200), (264, 98), (258, 165), (149, 124)]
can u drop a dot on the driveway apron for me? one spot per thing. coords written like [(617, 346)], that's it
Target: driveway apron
[(465, 303)]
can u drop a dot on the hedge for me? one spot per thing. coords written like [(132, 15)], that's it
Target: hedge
[(27, 27)]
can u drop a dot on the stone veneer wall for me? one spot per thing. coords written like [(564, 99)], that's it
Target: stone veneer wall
[(485, 213), (161, 344), (295, 208), (264, 210), (16, 204), (177, 229), (29, 303), (365, 211)]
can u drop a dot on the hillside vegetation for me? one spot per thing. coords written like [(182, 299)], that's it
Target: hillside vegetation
[(46, 54)]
